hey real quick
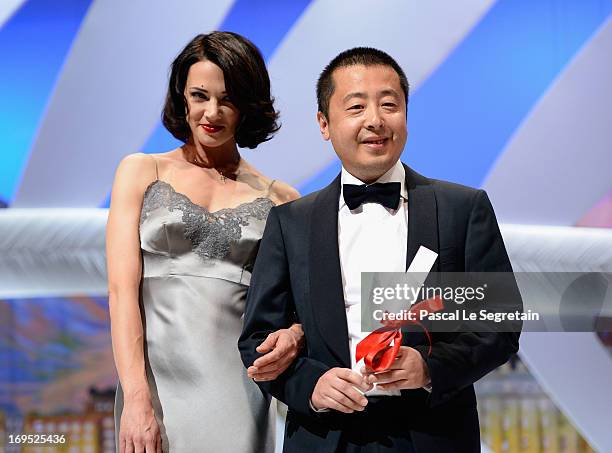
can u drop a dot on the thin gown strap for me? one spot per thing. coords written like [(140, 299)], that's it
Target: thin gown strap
[(270, 188), (156, 170)]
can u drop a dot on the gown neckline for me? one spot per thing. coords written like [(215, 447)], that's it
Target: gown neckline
[(203, 208)]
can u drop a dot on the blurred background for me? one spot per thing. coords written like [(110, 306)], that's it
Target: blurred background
[(513, 96)]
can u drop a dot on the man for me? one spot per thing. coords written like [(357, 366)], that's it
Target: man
[(309, 264)]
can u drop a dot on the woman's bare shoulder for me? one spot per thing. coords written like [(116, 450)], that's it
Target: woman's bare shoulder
[(136, 167), (143, 168), (281, 192), (137, 171), (171, 155)]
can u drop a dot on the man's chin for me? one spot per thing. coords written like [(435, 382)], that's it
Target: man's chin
[(379, 162), (371, 170)]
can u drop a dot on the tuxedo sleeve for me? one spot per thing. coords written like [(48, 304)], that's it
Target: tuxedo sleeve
[(469, 356), (269, 307)]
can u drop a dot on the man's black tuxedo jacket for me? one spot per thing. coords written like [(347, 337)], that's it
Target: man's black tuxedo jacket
[(297, 277)]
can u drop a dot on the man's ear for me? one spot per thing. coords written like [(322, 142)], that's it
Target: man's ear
[(323, 125)]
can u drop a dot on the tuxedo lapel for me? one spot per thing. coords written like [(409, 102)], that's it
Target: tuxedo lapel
[(422, 217), (326, 291), (422, 230)]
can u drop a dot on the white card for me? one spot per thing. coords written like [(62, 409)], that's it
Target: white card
[(423, 261)]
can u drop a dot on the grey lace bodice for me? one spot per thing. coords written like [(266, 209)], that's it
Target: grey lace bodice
[(172, 225)]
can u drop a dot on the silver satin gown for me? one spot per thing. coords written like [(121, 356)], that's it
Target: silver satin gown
[(196, 270)]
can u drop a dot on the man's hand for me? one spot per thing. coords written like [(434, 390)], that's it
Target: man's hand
[(340, 389), (409, 371), (280, 348)]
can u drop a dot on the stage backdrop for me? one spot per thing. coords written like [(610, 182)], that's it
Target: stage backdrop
[(510, 95)]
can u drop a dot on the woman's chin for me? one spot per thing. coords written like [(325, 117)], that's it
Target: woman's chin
[(209, 141)]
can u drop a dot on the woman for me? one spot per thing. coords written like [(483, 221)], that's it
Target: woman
[(182, 235)]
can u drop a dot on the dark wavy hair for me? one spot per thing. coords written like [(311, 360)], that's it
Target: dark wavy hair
[(246, 81), (366, 56)]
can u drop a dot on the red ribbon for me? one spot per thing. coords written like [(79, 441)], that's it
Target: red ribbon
[(376, 350)]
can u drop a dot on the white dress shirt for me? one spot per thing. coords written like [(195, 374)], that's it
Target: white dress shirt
[(371, 238)]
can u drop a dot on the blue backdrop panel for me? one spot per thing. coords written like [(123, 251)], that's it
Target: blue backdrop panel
[(461, 118), (33, 46)]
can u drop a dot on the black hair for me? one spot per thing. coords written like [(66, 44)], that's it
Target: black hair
[(246, 81), (366, 56)]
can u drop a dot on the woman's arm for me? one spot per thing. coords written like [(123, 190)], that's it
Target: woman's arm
[(124, 265), (280, 348)]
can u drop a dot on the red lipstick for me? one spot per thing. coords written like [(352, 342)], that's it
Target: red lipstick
[(211, 128)]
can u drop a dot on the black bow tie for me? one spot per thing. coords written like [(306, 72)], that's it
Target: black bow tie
[(387, 194)]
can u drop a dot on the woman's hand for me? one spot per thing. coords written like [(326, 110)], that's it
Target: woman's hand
[(280, 348), (139, 430)]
